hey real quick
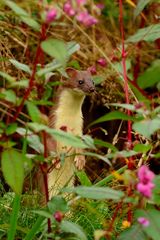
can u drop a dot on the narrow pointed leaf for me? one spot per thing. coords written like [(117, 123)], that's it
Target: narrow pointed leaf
[(140, 6), (148, 34), (113, 116), (100, 193), (20, 66), (33, 111), (6, 76), (70, 227), (24, 16)]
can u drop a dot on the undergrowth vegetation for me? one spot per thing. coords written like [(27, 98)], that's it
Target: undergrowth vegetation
[(117, 195)]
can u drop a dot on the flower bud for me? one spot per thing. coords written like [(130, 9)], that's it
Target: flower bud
[(102, 62), (68, 9), (143, 221), (51, 15), (58, 216)]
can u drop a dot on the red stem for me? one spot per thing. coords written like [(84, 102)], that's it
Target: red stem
[(31, 84), (126, 89), (119, 205), (39, 56), (124, 54)]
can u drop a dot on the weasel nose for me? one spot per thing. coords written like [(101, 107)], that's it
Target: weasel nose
[(91, 89)]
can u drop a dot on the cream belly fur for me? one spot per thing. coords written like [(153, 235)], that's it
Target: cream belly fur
[(68, 115)]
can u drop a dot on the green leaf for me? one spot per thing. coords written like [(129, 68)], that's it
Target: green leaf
[(139, 95), (153, 230), (48, 69), (122, 154), (140, 6), (88, 141), (57, 49), (14, 218), (43, 213), (33, 111), (72, 47), (142, 148), (20, 84), (20, 66), (105, 144), (9, 78), (115, 115), (70, 227), (151, 76), (147, 127), (103, 158), (98, 79), (57, 203), (24, 16), (119, 68), (74, 64), (10, 96), (11, 128), (83, 178), (110, 177), (100, 193), (32, 139), (124, 105), (134, 233), (13, 169), (65, 137), (149, 34), (156, 190)]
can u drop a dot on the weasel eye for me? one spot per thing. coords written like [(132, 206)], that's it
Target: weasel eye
[(81, 82)]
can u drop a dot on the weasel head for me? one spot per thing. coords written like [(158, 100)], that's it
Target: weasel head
[(80, 81)]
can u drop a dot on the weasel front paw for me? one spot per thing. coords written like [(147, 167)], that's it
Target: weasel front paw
[(80, 162)]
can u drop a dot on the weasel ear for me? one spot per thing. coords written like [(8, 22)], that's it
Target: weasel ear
[(71, 72)]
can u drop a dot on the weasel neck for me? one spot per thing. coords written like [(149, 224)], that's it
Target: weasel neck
[(68, 112), (71, 101)]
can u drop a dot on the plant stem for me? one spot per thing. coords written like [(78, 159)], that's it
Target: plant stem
[(39, 53), (44, 170), (119, 205), (126, 89), (124, 54)]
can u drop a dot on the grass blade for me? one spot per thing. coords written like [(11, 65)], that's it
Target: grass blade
[(14, 218), (34, 229)]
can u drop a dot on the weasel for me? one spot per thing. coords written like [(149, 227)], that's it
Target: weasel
[(67, 115)]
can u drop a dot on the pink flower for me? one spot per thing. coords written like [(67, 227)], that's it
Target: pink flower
[(102, 62), (145, 184), (68, 9), (145, 175), (145, 189), (101, 6), (51, 15), (92, 69), (86, 19), (143, 221), (81, 2)]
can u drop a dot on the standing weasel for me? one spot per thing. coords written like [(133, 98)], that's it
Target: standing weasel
[(67, 115)]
